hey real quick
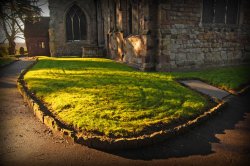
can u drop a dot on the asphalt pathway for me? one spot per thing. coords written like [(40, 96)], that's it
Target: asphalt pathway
[(223, 140)]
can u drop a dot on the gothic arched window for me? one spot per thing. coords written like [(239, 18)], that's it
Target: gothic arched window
[(76, 25)]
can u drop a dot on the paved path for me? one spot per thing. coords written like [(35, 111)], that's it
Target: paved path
[(206, 89), (223, 140)]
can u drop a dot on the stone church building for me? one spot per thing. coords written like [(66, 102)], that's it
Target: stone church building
[(37, 37), (160, 35)]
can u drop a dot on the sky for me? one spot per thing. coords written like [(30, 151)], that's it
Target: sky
[(43, 4)]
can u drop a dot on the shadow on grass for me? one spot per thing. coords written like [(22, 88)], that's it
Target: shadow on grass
[(151, 98), (85, 63), (197, 141)]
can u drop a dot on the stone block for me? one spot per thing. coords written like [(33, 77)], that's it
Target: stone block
[(165, 42), (237, 55), (40, 115), (35, 108), (173, 31), (199, 63), (165, 52), (165, 32), (67, 132), (224, 55), (139, 60), (192, 36), (175, 46), (192, 56), (172, 56), (181, 57), (49, 122), (189, 63), (200, 57), (179, 42), (184, 31), (180, 63), (215, 45), (197, 41), (216, 56), (92, 51), (247, 48), (172, 63)]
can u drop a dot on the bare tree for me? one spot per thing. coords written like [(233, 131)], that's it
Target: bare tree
[(13, 14)]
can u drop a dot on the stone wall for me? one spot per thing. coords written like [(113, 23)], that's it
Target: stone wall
[(136, 47), (37, 46), (92, 52), (165, 34), (184, 43), (131, 50), (59, 46)]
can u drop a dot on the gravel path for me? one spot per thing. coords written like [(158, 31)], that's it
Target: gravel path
[(223, 140)]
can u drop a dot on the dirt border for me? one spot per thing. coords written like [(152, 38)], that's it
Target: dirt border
[(101, 142)]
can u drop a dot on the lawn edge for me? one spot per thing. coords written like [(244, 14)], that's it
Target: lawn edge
[(101, 142)]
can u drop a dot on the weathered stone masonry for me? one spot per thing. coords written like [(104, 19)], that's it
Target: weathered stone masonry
[(154, 34), (185, 42), (59, 45)]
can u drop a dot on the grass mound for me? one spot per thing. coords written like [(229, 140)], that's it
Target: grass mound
[(105, 97)]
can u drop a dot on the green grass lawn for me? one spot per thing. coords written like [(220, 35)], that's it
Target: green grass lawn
[(6, 60), (228, 78), (105, 97)]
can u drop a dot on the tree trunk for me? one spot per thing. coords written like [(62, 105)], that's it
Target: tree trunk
[(12, 47)]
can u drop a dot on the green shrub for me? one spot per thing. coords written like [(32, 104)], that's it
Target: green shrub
[(3, 51), (21, 51)]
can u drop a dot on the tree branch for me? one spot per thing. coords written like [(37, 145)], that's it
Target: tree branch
[(20, 37), (15, 20), (13, 14), (4, 40), (5, 29)]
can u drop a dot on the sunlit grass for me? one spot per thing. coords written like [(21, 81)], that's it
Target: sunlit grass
[(228, 78), (102, 96)]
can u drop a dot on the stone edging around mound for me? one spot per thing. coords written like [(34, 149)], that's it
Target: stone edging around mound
[(100, 142)]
